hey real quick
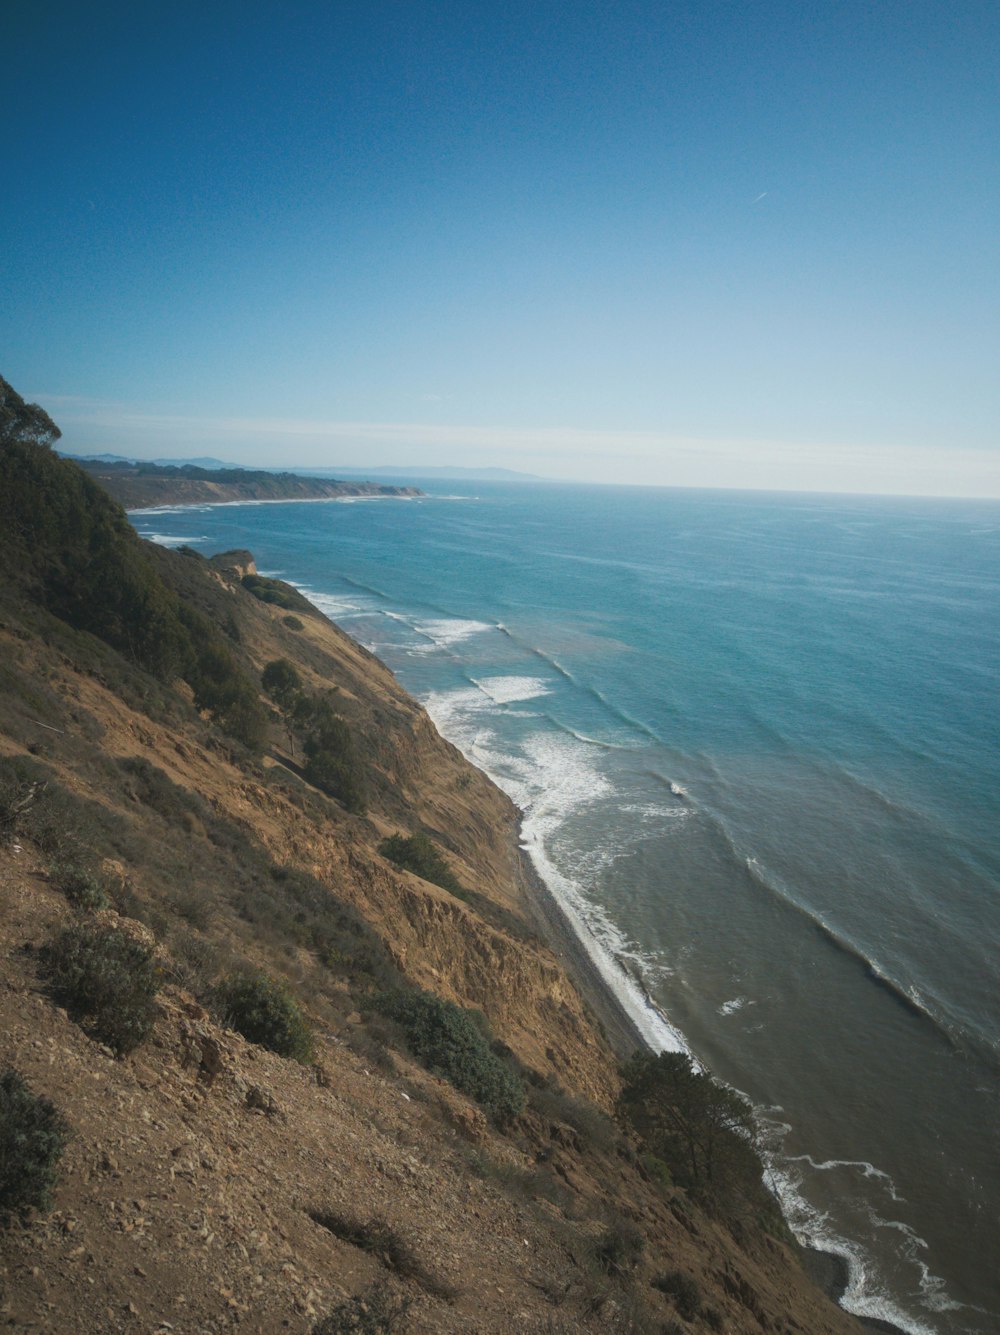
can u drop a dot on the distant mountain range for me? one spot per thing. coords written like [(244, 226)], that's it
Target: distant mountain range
[(444, 472)]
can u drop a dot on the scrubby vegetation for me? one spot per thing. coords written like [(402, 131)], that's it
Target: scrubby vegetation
[(264, 1011), (107, 980), (80, 557), (278, 593), (282, 682), (684, 1290), (332, 763), (18, 794), (33, 1135), (418, 853), (378, 1311), (81, 882), (594, 1129), (452, 1042), (702, 1130), (619, 1247)]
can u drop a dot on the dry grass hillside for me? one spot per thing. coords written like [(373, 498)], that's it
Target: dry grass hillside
[(437, 1150)]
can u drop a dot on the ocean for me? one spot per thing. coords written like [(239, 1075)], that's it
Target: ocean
[(755, 741)]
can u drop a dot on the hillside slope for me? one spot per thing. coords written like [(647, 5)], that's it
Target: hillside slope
[(207, 1182)]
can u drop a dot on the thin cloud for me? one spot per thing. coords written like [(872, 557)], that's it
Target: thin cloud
[(638, 457)]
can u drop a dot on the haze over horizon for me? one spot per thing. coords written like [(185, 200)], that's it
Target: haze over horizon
[(688, 244)]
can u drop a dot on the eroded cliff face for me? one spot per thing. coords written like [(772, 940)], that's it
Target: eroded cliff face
[(206, 1177)]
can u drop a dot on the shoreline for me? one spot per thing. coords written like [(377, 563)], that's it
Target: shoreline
[(555, 928), (168, 507), (828, 1270), (554, 924)]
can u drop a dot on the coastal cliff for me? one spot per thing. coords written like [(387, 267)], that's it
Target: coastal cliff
[(168, 729), (140, 485)]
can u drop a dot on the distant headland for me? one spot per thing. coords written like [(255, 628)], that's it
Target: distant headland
[(136, 485)]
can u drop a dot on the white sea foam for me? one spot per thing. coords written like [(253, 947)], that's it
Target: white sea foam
[(737, 1004), (552, 776), (172, 539), (866, 1294), (169, 510), (506, 690), (446, 631), (337, 608), (653, 811)]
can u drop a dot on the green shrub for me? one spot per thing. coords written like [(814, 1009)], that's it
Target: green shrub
[(107, 980), (332, 762), (264, 1011), (33, 1135), (277, 592), (72, 549), (282, 682), (335, 772), (594, 1127), (293, 622), (683, 1289), (81, 883), (375, 1312), (220, 686), (657, 1171), (450, 1042), (618, 1248), (18, 794), (419, 855)]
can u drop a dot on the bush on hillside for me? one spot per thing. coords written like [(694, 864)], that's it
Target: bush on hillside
[(619, 1247), (19, 793), (277, 593), (106, 980), (81, 882), (220, 686), (417, 853), (684, 1290), (451, 1043), (264, 1011), (33, 1135), (332, 762), (282, 682), (377, 1236), (375, 1312)]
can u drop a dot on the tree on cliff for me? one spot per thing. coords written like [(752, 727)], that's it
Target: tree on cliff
[(703, 1130), (282, 683), (24, 422)]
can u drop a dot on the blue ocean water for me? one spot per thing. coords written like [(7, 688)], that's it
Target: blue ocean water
[(755, 739)]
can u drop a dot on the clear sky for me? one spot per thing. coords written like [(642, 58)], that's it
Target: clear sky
[(693, 242)]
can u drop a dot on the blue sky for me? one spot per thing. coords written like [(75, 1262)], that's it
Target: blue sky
[(680, 243)]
